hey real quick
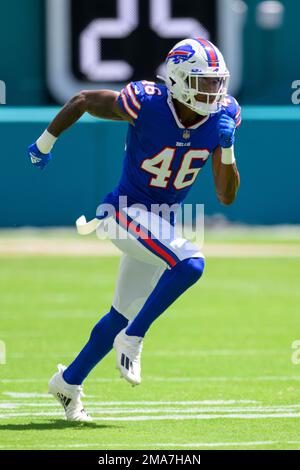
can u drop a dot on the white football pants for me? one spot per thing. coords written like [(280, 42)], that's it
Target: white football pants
[(149, 245)]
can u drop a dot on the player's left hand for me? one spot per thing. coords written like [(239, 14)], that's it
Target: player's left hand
[(226, 129), (37, 158)]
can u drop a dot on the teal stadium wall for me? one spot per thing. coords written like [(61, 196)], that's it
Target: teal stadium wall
[(88, 160), (270, 62), (23, 52)]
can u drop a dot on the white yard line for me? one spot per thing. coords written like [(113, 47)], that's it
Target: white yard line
[(8, 408), (176, 353), (46, 380), (175, 445), (221, 444), (193, 402), (185, 409), (158, 410), (25, 414), (217, 352), (264, 378), (34, 246), (173, 411), (156, 445), (26, 395), (177, 417), (162, 409), (143, 402), (200, 417)]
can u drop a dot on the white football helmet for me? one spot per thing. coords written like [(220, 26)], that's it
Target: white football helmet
[(188, 65)]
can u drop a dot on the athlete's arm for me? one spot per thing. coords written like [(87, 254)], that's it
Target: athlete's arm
[(98, 103), (226, 176)]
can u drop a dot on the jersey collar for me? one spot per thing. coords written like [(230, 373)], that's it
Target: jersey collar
[(179, 124)]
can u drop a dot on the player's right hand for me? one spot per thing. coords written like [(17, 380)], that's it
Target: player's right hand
[(37, 158)]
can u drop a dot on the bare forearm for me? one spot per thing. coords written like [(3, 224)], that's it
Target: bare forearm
[(227, 183), (226, 175), (68, 115)]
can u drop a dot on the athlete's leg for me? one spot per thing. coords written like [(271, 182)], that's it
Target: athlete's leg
[(184, 261), (135, 282), (98, 345), (183, 264), (152, 275), (129, 342), (170, 286)]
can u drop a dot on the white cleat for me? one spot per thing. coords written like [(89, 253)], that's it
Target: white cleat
[(128, 350), (68, 396)]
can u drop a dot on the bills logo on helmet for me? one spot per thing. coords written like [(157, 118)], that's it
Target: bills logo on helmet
[(181, 54)]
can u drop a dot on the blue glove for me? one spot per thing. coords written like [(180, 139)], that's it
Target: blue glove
[(37, 158), (226, 129)]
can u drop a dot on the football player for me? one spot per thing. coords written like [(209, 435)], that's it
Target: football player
[(173, 129)]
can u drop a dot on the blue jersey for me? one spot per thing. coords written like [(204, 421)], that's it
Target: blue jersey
[(162, 157)]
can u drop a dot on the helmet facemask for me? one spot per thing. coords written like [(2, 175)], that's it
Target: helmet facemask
[(204, 94)]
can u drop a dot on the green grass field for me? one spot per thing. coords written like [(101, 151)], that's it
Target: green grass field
[(217, 370)]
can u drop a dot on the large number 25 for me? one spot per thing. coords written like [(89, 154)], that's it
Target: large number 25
[(127, 20), (159, 166)]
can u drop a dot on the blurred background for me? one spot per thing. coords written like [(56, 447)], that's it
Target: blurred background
[(231, 337), (51, 49)]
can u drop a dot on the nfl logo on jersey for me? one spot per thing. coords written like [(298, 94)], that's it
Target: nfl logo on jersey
[(186, 134)]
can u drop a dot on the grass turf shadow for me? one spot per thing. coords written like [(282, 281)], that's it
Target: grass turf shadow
[(54, 424)]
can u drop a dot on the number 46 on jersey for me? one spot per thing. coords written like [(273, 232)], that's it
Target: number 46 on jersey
[(160, 167)]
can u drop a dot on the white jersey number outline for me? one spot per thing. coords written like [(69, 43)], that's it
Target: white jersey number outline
[(160, 167)]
